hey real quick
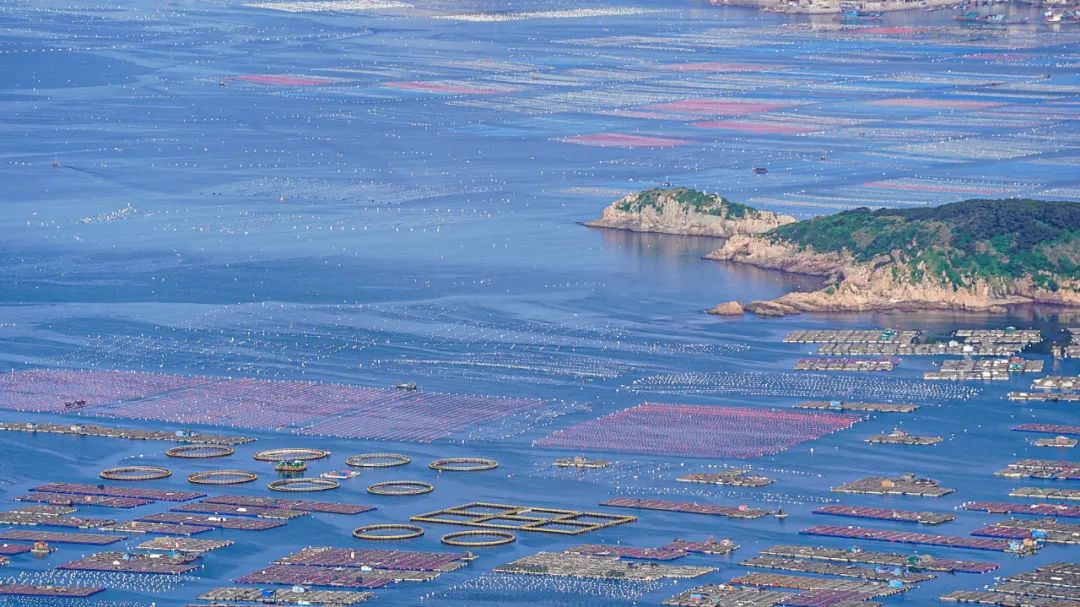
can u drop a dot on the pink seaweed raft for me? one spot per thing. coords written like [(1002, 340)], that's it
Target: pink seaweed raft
[(283, 80), (763, 128), (620, 140), (718, 107), (698, 431), (446, 88)]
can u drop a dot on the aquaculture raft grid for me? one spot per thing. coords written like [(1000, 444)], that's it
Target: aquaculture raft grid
[(698, 431), (907, 537), (1030, 509), (79, 592), (305, 408), (59, 537), (887, 514), (289, 504), (891, 559), (523, 518), (103, 490), (687, 507)]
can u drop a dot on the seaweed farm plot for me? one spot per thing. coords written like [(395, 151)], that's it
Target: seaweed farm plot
[(56, 537), (523, 518), (570, 564), (1053, 585), (307, 408), (288, 504), (698, 431)]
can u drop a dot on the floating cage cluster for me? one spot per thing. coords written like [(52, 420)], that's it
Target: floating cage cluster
[(399, 488), (300, 485), (378, 460), (200, 451), (136, 473), (463, 464), (222, 477), (388, 531)]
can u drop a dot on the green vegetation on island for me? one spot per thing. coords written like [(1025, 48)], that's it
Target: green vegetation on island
[(693, 200), (963, 243)]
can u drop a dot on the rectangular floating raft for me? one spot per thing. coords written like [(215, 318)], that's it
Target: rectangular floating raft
[(891, 559), (1030, 509), (133, 563), (687, 507), (69, 499), (60, 537), (206, 520), (110, 491), (316, 576), (255, 511), (74, 592), (907, 537), (158, 527), (289, 504), (887, 514)]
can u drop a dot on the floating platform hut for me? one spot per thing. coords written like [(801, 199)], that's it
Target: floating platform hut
[(1057, 442), (905, 484), (581, 462), (735, 477), (900, 437)]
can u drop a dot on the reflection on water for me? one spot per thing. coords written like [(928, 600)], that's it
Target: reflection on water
[(683, 255)]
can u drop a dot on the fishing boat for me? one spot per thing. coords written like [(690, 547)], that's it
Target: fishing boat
[(340, 474), (409, 386), (760, 170)]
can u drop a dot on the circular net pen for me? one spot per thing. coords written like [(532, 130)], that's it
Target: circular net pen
[(200, 451), (387, 531), (135, 473), (303, 485), (478, 539), (463, 464), (377, 460), (222, 477), (401, 488), (281, 455)]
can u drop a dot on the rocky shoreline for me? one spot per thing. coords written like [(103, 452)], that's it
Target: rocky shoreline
[(885, 283)]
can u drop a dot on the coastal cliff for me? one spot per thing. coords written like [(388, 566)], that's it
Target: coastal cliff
[(686, 212), (974, 255)]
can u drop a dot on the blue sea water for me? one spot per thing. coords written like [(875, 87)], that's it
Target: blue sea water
[(163, 212)]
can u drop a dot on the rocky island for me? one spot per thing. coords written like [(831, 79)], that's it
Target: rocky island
[(974, 255), (687, 212)]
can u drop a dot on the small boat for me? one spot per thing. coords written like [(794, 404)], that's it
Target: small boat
[(760, 170), (780, 514), (410, 386), (969, 16), (340, 474), (41, 548)]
